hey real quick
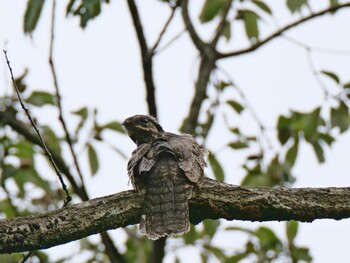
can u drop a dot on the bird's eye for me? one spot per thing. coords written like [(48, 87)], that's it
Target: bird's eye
[(144, 121)]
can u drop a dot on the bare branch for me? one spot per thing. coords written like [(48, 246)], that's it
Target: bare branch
[(282, 30), (158, 251), (190, 123), (42, 142), (221, 26), (316, 49), (171, 41), (212, 200), (167, 23), (26, 257), (200, 45), (59, 99), (146, 59)]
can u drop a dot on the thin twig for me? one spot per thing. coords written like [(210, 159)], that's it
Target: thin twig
[(146, 59), (171, 41), (316, 74), (316, 49), (42, 142), (281, 31), (310, 61), (153, 49), (26, 257), (59, 98), (221, 26)]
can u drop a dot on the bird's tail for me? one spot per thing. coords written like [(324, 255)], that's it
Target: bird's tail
[(166, 210)]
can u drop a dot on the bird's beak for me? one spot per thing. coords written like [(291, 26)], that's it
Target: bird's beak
[(126, 123)]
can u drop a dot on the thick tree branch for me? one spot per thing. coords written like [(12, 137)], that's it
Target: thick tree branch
[(212, 200), (281, 31), (147, 62), (158, 251), (190, 123)]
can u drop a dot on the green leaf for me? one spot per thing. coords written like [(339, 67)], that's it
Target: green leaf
[(238, 257), (296, 5), (211, 9), (21, 85), (87, 10), (333, 3), (93, 159), (235, 130), (41, 98), (204, 257), (216, 251), (227, 31), (268, 239), (115, 126), (69, 6), (279, 173), (7, 209), (236, 106), (51, 140), (250, 19), (83, 114), (292, 153), (238, 145), (327, 138), (25, 175), (191, 236), (301, 254), (331, 75), (22, 149), (284, 129), (8, 171), (263, 6), (307, 122), (210, 226), (318, 151), (346, 85), (216, 167), (256, 180), (32, 14), (340, 117), (223, 85), (255, 177), (292, 230)]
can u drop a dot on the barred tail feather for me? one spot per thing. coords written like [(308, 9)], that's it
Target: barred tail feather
[(165, 209)]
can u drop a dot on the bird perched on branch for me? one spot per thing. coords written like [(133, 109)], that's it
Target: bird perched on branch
[(167, 166)]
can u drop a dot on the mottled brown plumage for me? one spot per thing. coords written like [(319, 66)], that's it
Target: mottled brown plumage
[(167, 166)]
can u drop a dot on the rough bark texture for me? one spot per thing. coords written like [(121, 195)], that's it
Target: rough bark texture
[(211, 200)]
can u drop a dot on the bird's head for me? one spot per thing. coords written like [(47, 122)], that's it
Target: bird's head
[(142, 128)]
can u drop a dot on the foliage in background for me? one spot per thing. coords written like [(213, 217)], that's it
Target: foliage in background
[(319, 128)]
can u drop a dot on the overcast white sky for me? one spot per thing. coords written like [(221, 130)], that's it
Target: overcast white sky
[(100, 67)]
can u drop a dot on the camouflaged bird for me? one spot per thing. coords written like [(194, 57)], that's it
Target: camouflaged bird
[(167, 166)]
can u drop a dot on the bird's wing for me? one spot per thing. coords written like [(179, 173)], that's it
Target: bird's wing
[(190, 156), (139, 162)]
